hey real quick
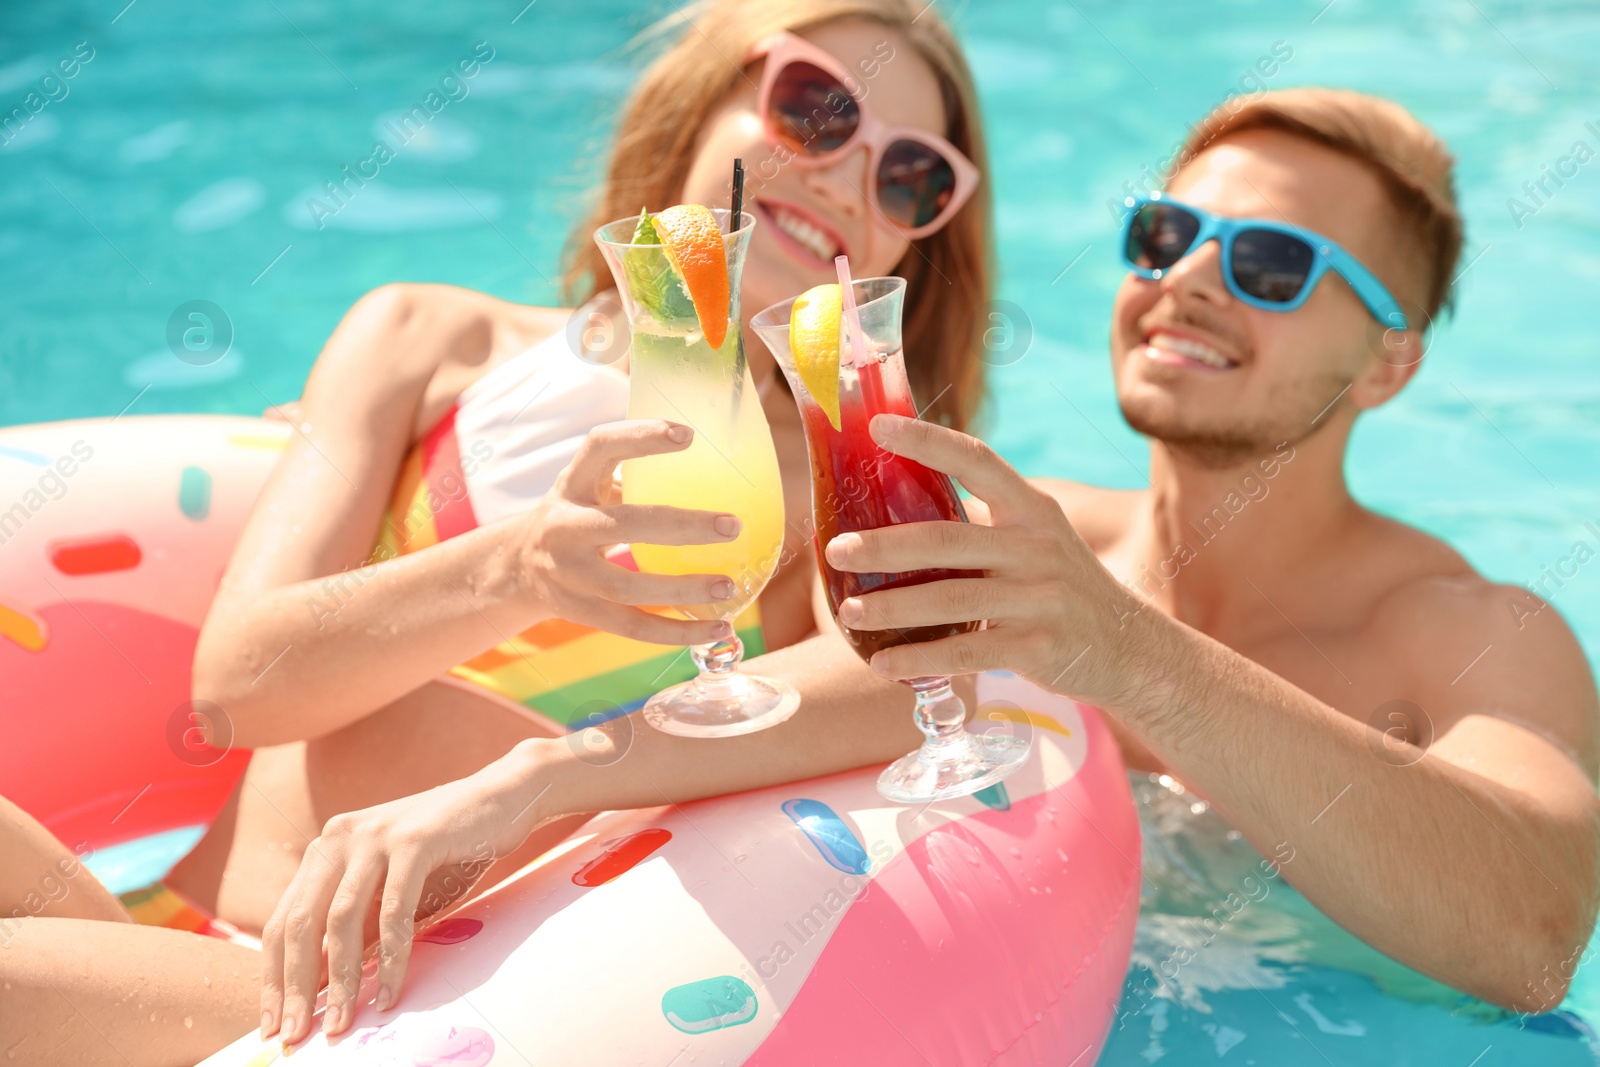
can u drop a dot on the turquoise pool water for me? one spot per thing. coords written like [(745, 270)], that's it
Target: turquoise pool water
[(176, 163)]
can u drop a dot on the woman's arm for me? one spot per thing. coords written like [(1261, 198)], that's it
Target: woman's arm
[(306, 634), (848, 718)]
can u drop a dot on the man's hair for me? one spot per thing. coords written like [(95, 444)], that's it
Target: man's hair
[(1411, 161)]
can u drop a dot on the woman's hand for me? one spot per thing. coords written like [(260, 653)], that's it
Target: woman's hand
[(416, 855), (1055, 614), (563, 539)]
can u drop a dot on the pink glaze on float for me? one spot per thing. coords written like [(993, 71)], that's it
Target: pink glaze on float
[(807, 923), (972, 932), (450, 932), (103, 586)]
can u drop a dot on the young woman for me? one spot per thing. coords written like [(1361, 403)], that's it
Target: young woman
[(364, 669)]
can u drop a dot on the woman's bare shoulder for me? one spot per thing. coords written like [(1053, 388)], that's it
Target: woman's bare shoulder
[(410, 345)]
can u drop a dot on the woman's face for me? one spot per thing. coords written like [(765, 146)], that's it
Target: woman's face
[(805, 216)]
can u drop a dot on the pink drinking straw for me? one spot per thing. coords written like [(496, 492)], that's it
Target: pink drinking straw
[(858, 343)]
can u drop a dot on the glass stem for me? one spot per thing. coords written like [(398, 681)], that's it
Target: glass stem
[(718, 664), (941, 716)]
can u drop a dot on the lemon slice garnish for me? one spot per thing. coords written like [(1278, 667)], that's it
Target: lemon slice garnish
[(814, 338)]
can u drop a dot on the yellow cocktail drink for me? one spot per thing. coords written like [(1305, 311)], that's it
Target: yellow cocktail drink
[(730, 466), (677, 274)]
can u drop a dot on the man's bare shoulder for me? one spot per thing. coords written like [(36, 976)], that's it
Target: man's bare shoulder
[(1101, 516), (1475, 646)]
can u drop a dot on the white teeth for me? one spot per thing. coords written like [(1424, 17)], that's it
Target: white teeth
[(815, 241), (1196, 351)]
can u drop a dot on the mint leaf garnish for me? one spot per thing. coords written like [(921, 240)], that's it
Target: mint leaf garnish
[(655, 285)]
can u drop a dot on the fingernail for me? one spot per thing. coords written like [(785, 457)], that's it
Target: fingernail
[(330, 1018), (679, 433), (850, 611), (724, 630), (878, 666), (383, 998), (840, 547), (727, 525), (266, 1023), (291, 1027), (721, 590)]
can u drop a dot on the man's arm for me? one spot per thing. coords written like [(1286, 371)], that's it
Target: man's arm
[(1475, 863), (1472, 860)]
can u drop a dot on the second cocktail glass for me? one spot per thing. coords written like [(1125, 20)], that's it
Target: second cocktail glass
[(676, 374), (857, 485)]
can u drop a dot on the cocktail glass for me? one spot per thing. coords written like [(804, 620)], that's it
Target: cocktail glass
[(857, 485), (730, 466)]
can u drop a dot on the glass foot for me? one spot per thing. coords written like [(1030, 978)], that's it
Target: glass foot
[(958, 767), (721, 707)]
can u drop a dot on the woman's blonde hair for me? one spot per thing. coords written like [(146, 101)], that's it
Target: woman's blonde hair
[(947, 274)]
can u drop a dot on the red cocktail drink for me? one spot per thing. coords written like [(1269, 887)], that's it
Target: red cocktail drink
[(857, 485)]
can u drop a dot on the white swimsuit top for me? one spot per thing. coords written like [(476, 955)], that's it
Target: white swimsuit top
[(519, 426)]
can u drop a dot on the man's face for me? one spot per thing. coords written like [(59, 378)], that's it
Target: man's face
[(1219, 380)]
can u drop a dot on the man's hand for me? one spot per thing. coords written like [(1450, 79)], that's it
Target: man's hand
[(1055, 615)]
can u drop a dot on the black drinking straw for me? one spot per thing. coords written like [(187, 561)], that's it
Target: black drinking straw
[(733, 224)]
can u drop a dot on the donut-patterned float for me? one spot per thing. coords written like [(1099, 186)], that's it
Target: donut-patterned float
[(810, 923)]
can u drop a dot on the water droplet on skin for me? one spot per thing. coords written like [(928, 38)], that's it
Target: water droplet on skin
[(1017, 852), (188, 1022), (206, 980)]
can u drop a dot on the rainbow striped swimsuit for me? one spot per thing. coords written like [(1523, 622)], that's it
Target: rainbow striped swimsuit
[(494, 453)]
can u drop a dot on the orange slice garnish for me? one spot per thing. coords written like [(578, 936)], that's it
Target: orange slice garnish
[(694, 244)]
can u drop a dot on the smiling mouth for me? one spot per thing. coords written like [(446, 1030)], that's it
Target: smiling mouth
[(1177, 350), (802, 234)]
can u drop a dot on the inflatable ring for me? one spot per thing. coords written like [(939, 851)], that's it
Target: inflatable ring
[(811, 923)]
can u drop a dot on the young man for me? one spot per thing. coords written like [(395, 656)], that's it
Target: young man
[(1425, 740)]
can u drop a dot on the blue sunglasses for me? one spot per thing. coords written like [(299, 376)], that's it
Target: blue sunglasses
[(1265, 264)]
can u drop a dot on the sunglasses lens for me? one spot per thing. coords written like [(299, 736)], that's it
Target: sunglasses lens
[(1160, 235), (810, 111), (1270, 265), (915, 183)]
